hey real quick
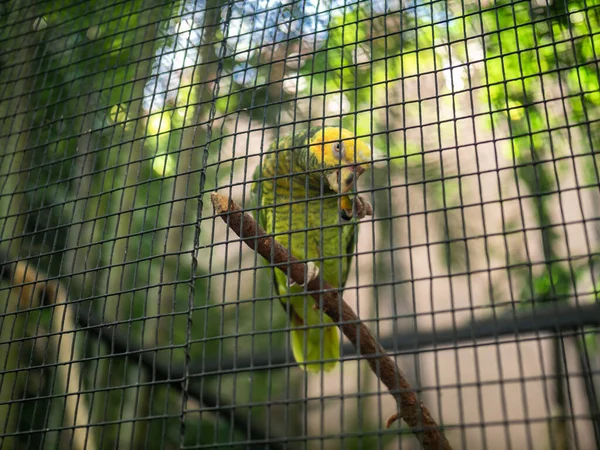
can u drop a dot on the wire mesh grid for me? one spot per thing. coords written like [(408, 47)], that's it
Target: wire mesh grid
[(454, 223)]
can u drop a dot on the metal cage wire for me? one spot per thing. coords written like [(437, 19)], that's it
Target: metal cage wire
[(139, 312)]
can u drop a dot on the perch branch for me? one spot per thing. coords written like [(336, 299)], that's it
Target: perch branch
[(410, 409)]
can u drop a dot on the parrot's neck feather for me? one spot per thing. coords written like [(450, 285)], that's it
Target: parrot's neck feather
[(284, 169)]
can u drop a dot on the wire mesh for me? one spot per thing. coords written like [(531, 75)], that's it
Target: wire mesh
[(134, 314)]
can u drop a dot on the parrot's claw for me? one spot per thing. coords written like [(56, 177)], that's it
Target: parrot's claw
[(361, 206), (312, 272)]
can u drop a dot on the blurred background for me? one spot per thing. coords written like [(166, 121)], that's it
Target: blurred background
[(478, 270)]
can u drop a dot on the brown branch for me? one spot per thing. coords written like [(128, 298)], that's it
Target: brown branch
[(414, 412)]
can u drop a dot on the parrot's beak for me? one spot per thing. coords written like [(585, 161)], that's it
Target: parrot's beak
[(343, 180)]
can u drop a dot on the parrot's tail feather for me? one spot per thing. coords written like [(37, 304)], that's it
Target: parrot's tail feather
[(320, 345)]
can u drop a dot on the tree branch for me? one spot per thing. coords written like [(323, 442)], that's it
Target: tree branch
[(568, 319), (120, 344), (410, 409)]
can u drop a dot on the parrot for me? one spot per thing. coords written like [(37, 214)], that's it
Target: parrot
[(302, 195)]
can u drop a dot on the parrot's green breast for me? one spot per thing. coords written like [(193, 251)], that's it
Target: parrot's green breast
[(312, 231), (303, 217)]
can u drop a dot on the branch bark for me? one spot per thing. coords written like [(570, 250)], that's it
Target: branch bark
[(410, 409)]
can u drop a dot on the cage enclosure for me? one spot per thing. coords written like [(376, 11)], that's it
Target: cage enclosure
[(303, 224)]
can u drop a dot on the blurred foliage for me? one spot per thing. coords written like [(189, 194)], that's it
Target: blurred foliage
[(532, 70), (536, 57)]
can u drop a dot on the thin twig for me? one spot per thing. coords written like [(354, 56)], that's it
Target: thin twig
[(410, 409)]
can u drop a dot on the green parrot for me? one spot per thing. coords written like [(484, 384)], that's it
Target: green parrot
[(302, 192)]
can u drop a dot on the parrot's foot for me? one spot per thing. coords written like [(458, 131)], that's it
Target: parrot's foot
[(312, 272), (361, 206)]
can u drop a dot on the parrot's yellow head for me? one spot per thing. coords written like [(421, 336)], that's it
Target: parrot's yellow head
[(343, 157)]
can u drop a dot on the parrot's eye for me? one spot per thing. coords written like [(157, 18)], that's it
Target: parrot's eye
[(338, 149)]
